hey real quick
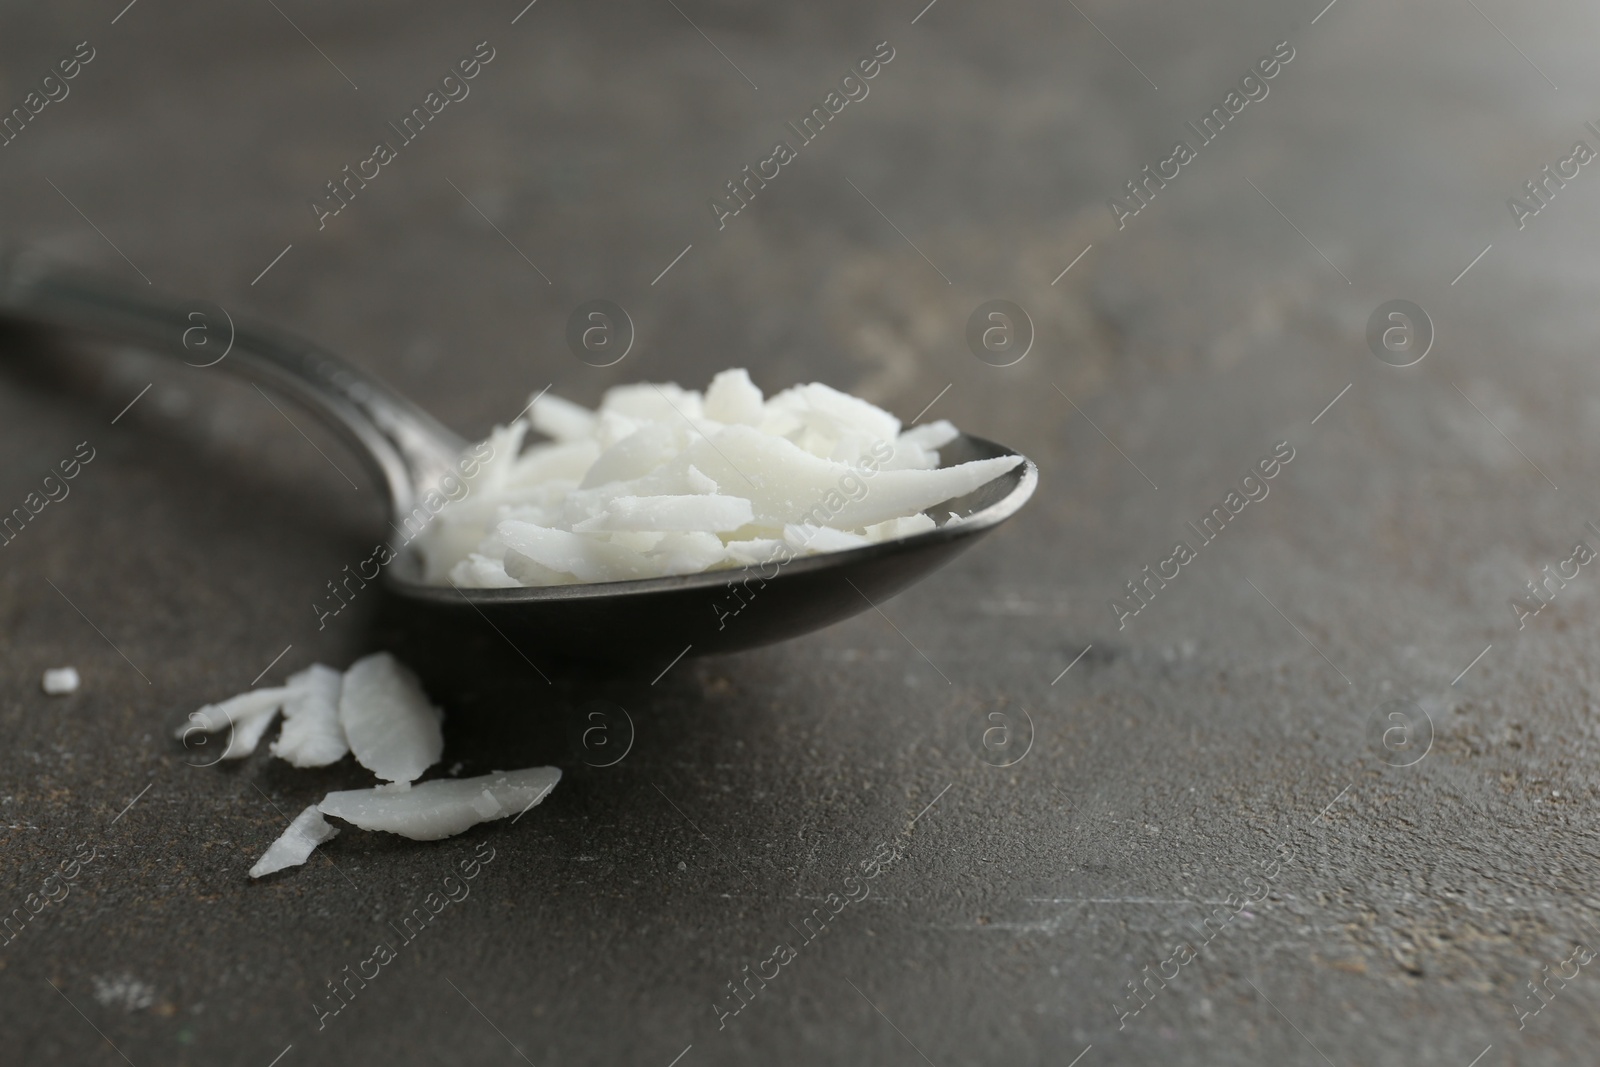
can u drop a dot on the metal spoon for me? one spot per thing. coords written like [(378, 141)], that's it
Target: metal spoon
[(648, 623)]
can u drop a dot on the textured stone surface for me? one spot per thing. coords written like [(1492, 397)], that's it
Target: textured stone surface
[(1165, 768)]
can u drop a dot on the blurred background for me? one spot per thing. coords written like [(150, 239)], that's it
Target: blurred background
[(1337, 717)]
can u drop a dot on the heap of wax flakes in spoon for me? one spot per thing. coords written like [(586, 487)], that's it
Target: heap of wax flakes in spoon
[(663, 480), (378, 712)]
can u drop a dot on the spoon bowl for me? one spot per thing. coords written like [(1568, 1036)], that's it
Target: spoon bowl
[(648, 624)]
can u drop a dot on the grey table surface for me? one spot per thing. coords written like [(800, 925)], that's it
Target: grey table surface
[(1424, 870)]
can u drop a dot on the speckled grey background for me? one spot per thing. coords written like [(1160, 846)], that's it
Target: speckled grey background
[(1166, 768)]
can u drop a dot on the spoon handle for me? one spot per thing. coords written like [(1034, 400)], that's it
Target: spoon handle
[(406, 448)]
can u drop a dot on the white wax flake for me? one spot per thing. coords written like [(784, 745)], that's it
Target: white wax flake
[(642, 514), (480, 572), (443, 807), (650, 402), (561, 420), (688, 552), (932, 434), (123, 991), (526, 571), (246, 716), (760, 550), (60, 680), (787, 484), (564, 552), (247, 734), (377, 709), (390, 724), (633, 489), (894, 529), (698, 482), (825, 408), (543, 464), (637, 454), (821, 538), (733, 397), (294, 847), (311, 734), (910, 456)]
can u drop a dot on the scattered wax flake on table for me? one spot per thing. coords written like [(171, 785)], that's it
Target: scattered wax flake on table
[(247, 734), (663, 480), (294, 847), (311, 734), (442, 807), (377, 710), (247, 716), (389, 723), (61, 680), (123, 991)]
